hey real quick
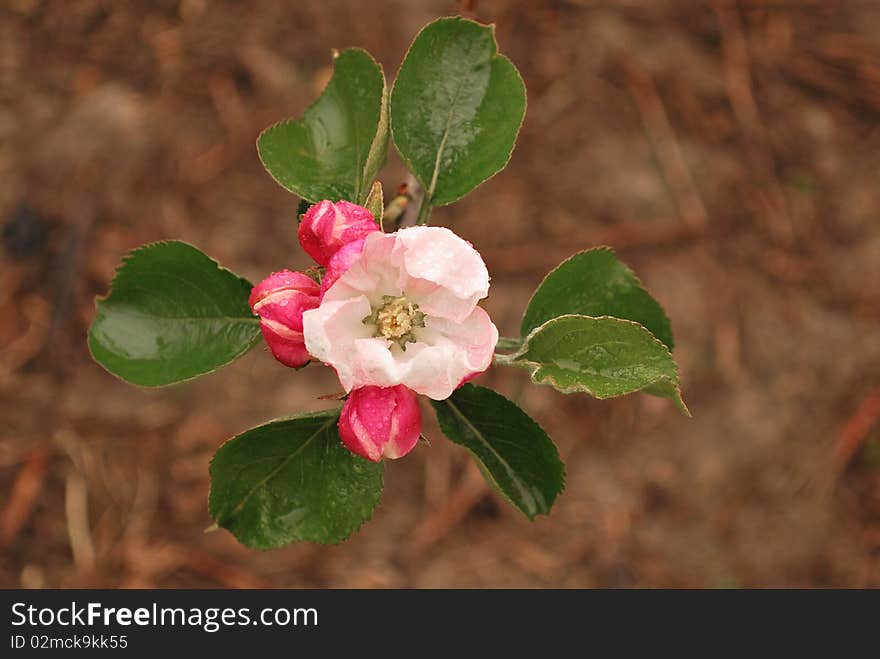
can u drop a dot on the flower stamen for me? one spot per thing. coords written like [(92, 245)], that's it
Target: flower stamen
[(396, 319)]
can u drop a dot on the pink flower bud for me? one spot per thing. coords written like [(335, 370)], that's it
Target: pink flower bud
[(380, 422), (340, 262), (326, 227), (279, 301)]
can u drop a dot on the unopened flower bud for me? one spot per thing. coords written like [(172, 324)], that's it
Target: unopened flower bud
[(380, 422), (279, 301), (327, 227)]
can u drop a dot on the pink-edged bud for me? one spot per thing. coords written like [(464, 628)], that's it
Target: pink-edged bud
[(279, 300), (380, 422), (326, 227), (340, 262)]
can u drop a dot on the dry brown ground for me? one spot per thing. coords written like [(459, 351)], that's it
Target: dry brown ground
[(729, 151)]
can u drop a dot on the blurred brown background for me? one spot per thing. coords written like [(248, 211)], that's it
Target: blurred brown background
[(729, 151)]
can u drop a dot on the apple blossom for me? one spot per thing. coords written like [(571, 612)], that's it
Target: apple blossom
[(405, 312), (279, 301), (395, 315), (326, 227), (380, 422)]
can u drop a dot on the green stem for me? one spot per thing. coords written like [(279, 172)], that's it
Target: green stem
[(508, 343), (424, 211), (508, 360)]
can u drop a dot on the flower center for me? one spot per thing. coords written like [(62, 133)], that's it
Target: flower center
[(395, 319)]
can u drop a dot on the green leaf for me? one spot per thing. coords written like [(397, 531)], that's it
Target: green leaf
[(456, 108), (595, 283), (375, 202), (515, 454), (604, 357), (172, 314), (336, 149), (292, 480)]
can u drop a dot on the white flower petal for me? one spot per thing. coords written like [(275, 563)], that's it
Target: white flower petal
[(373, 273), (373, 363), (331, 330), (474, 340), (442, 272)]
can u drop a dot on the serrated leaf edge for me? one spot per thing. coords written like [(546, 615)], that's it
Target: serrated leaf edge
[(515, 359), (378, 151), (484, 469), (495, 54), (383, 109), (602, 248), (332, 414), (98, 299)]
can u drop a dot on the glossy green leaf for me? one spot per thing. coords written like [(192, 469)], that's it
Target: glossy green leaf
[(172, 314), (456, 108), (604, 357), (514, 453), (595, 283), (292, 480), (339, 145)]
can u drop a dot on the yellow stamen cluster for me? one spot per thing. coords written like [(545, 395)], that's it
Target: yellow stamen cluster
[(396, 319)]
